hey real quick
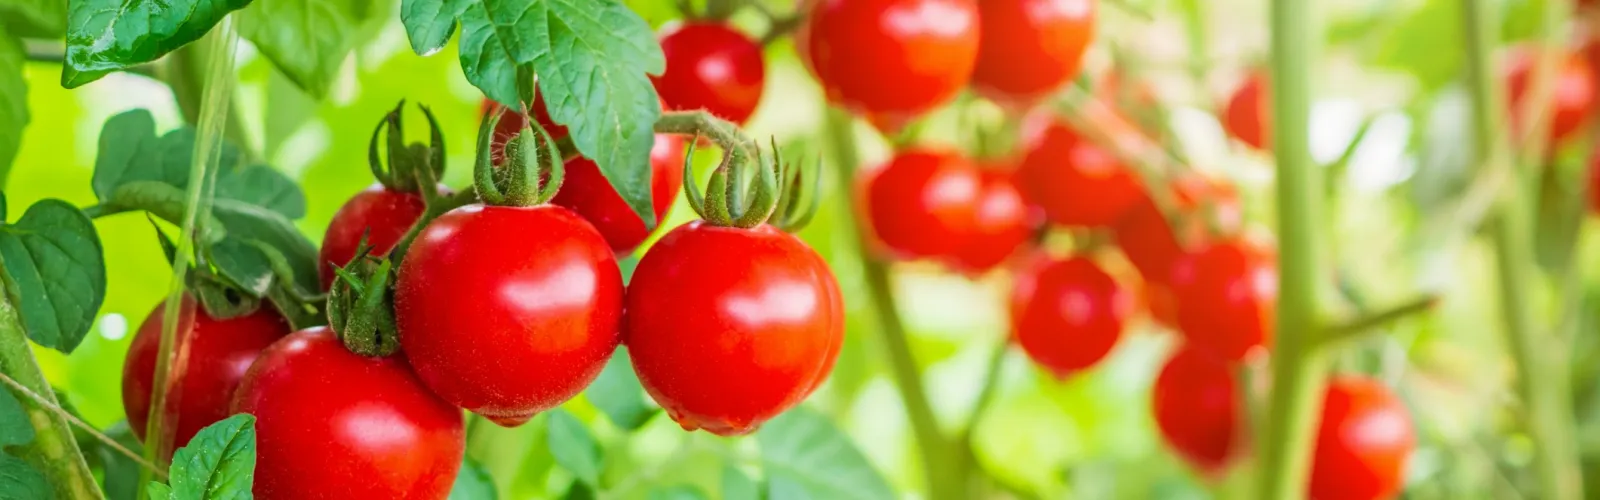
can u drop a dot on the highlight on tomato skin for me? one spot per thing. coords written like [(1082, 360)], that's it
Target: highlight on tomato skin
[(922, 203), (1002, 223), (1068, 314), (1076, 182), (711, 66), (1364, 440)]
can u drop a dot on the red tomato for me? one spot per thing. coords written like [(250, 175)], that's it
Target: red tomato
[(1162, 305), (1001, 224), (1076, 182), (1068, 314), (201, 386), (587, 192), (1029, 48), (890, 60), (1151, 242), (922, 203), (729, 327), (1362, 442), (508, 311), (331, 424), (1249, 114), (382, 215), (713, 67), (1195, 402), (1572, 97), (1226, 294)]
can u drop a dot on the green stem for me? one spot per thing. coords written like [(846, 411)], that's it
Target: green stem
[(185, 74), (1362, 325), (53, 450), (1194, 21), (935, 448), (1297, 367)]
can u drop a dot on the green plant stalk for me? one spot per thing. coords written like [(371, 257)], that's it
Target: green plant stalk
[(53, 450), (1285, 439), (937, 465), (1194, 23), (185, 73)]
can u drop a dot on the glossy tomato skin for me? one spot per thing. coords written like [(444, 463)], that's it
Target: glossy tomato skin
[(508, 311), (1573, 93), (1076, 182), (1363, 442), (922, 203), (216, 354), (587, 192), (1195, 403), (1248, 116), (1030, 48), (1068, 314), (1001, 224), (382, 215), (729, 327), (1226, 293), (890, 60), (334, 425), (711, 66), (1152, 243)]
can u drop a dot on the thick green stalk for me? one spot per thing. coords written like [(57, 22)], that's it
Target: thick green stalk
[(1297, 365), (53, 450)]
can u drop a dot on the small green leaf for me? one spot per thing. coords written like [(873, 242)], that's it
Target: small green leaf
[(21, 481), (13, 99), (34, 18), (219, 463), (15, 429), (272, 229), (56, 273), (109, 35), (617, 393), (307, 40), (242, 264), (736, 485), (265, 187), (473, 483), (573, 447), (802, 447), (677, 492), (430, 23), (159, 491)]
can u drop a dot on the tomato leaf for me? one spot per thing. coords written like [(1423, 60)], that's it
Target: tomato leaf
[(579, 490), (617, 393), (430, 23), (159, 491), (56, 272), (306, 39), (109, 35), (677, 492), (20, 480), (15, 429), (736, 485), (219, 463), (473, 483), (13, 99), (803, 448), (573, 447), (121, 473), (34, 18)]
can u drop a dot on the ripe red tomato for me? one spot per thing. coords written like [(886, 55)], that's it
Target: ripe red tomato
[(922, 203), (1152, 243), (215, 356), (890, 60), (711, 66), (729, 327), (1226, 294), (1363, 442), (587, 192), (1249, 114), (508, 311), (1195, 402), (1067, 314), (1029, 48), (1076, 182), (1572, 97), (384, 216), (331, 424), (1001, 224)]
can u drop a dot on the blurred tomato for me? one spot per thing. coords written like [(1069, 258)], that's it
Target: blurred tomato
[(1152, 243), (1248, 117), (1029, 48), (711, 66), (1227, 294), (1363, 441), (1067, 314), (1572, 97), (922, 203), (1195, 402), (1001, 223), (1075, 181)]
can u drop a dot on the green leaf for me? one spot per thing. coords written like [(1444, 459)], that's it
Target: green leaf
[(677, 492), (736, 485), (34, 18), (265, 187), (56, 272), (617, 393), (802, 447), (20, 481), (130, 151), (15, 429), (430, 23), (219, 463), (579, 490), (109, 35), (1412, 44), (488, 59), (267, 228), (307, 40), (13, 100), (573, 447), (159, 491), (473, 483), (121, 473)]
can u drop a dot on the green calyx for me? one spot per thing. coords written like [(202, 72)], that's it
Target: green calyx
[(782, 194), (531, 172), (414, 167), (361, 305)]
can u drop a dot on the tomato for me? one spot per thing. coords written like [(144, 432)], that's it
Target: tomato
[(382, 215), (922, 203), (729, 327), (1152, 243), (508, 311), (1226, 294), (1067, 314), (1363, 441), (890, 60), (1029, 48), (711, 66), (1001, 224), (331, 424), (201, 386), (1195, 402), (1248, 117), (587, 192), (1076, 182), (1572, 97), (1161, 304)]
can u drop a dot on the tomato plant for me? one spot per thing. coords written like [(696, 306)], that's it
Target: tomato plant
[(1029, 48)]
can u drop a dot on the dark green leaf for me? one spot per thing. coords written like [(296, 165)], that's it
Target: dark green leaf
[(677, 492), (736, 485), (20, 481), (307, 40), (265, 187), (56, 271), (573, 447), (430, 23), (159, 491), (15, 429), (473, 483), (219, 463), (269, 228), (242, 264), (618, 394), (109, 35), (13, 99), (579, 490), (34, 18), (488, 59), (130, 151), (801, 446)]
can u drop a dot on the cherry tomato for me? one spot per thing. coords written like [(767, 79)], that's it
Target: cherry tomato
[(711, 66), (1152, 243), (1226, 294), (1195, 402), (382, 215), (1068, 314), (1001, 224), (331, 424), (922, 203), (890, 60), (215, 354), (1363, 442), (508, 311), (587, 192), (729, 327), (1572, 97), (1249, 114), (1029, 48), (1076, 182)]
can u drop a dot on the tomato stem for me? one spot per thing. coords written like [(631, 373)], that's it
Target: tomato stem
[(49, 403), (1367, 323), (53, 451)]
